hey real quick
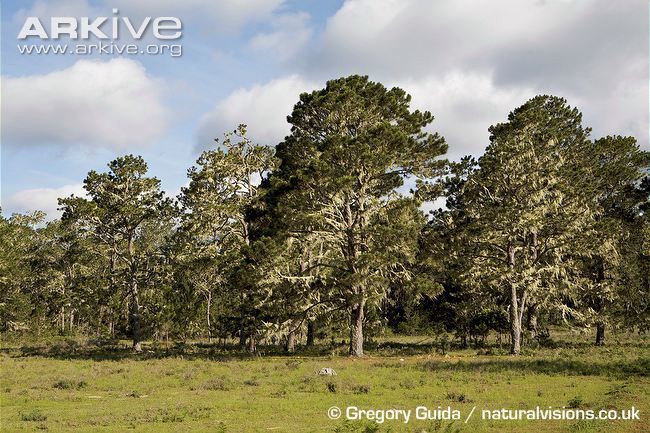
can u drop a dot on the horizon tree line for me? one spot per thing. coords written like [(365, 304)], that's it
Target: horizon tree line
[(317, 236)]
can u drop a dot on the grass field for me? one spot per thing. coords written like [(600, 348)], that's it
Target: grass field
[(65, 386)]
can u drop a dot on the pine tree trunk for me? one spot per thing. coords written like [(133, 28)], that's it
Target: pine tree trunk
[(252, 344), (311, 330), (135, 316), (112, 287), (243, 334), (208, 307), (600, 305), (515, 323), (242, 338), (600, 334), (291, 342), (532, 320), (135, 301), (356, 329)]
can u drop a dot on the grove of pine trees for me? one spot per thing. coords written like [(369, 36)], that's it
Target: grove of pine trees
[(325, 236)]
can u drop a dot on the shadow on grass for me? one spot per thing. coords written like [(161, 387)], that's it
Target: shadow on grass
[(71, 350), (568, 349), (577, 360), (639, 367)]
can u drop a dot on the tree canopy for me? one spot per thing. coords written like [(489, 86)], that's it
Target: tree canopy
[(325, 236)]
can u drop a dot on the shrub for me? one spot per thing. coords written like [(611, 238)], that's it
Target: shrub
[(217, 384), (69, 384), (575, 402), (361, 389), (458, 397), (35, 415)]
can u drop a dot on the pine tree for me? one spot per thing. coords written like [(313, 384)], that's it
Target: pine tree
[(223, 188), (527, 205), (122, 204), (352, 145)]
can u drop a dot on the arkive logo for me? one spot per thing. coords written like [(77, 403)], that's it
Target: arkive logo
[(165, 28)]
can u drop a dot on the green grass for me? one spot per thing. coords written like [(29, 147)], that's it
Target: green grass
[(71, 387)]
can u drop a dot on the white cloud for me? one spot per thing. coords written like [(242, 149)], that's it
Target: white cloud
[(290, 33), (43, 199), (623, 112), (419, 37), (263, 107), (112, 104), (593, 52), (464, 106), (60, 8), (213, 15)]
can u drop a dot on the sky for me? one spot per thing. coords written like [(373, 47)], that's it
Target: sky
[(469, 62)]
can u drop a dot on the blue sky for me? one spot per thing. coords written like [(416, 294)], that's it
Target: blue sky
[(468, 62)]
